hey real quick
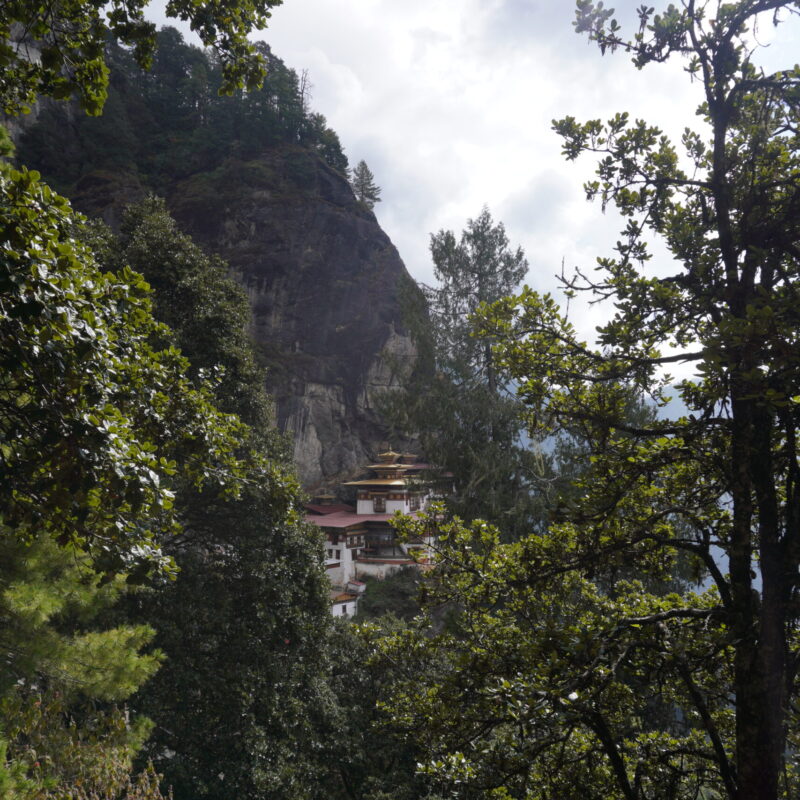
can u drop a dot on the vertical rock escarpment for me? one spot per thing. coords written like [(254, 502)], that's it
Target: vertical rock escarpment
[(324, 280), (256, 178), (324, 283)]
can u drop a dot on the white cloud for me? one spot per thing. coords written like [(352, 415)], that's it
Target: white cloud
[(454, 108), (451, 101)]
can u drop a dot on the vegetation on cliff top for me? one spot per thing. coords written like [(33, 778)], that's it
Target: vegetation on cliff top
[(57, 49), (162, 126)]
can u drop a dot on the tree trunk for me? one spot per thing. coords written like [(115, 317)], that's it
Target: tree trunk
[(760, 658)]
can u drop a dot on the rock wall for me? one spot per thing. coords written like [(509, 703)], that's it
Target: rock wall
[(323, 279), (324, 283)]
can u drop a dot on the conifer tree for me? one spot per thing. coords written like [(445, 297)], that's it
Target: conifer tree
[(364, 186), (63, 677), (478, 268), (469, 424)]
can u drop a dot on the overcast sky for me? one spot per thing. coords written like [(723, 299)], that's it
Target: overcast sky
[(450, 102)]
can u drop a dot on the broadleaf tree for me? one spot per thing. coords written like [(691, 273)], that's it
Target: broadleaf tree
[(566, 688), (57, 49), (97, 421)]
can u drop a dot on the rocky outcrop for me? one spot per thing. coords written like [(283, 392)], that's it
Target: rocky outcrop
[(323, 279), (324, 282)]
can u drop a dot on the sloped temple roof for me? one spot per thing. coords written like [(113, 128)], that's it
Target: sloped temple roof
[(345, 519)]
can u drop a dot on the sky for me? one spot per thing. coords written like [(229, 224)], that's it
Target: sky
[(451, 102)]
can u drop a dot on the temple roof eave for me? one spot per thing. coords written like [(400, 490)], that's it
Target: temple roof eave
[(345, 520), (378, 482)]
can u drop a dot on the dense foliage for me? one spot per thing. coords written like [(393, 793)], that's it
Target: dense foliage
[(564, 681), (95, 413), (100, 423), (379, 761), (251, 601), (396, 594), (57, 49)]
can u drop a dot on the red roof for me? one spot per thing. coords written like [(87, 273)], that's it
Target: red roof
[(329, 509), (344, 519)]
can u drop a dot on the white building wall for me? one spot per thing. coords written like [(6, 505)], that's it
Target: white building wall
[(344, 568), (347, 609), (333, 569), (348, 565), (396, 505), (364, 507)]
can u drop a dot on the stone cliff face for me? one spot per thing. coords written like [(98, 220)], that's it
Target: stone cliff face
[(324, 280), (324, 283)]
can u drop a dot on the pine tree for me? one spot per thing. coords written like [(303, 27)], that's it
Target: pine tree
[(363, 183), (478, 268), (456, 403), (63, 675)]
